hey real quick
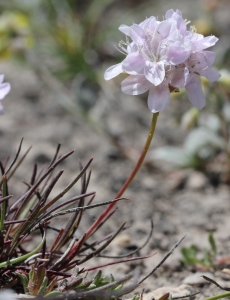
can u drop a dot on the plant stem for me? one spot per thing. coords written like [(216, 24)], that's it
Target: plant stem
[(129, 179), (218, 296), (3, 206)]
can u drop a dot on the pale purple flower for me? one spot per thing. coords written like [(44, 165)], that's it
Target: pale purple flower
[(4, 90), (162, 57), (199, 64)]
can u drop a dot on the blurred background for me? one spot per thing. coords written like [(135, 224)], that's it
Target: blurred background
[(59, 50), (55, 52)]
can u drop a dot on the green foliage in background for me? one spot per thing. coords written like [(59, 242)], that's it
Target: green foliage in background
[(65, 42), (67, 33), (192, 257)]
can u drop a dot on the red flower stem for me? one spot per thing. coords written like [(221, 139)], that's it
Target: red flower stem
[(129, 179)]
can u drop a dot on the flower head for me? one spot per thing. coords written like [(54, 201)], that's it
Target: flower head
[(162, 57), (4, 90)]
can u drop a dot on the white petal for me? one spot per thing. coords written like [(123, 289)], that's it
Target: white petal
[(206, 42), (195, 93), (178, 77), (169, 14), (211, 74), (132, 47), (4, 89), (177, 53), (113, 71), (181, 25), (135, 85), (209, 57), (137, 34), (164, 28), (159, 97), (149, 24), (155, 72), (134, 64), (179, 12), (125, 29)]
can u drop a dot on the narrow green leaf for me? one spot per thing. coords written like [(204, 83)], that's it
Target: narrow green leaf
[(24, 281), (23, 257), (224, 295), (85, 284), (31, 283), (43, 286), (52, 294), (118, 288), (41, 274), (112, 279), (97, 278), (136, 297), (207, 258), (212, 243), (51, 286)]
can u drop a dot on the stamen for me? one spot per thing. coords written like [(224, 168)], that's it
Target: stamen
[(187, 22), (125, 53)]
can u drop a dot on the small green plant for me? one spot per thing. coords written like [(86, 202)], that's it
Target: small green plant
[(190, 255)]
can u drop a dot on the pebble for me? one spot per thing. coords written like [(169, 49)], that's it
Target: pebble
[(122, 240), (182, 290), (197, 279), (196, 181)]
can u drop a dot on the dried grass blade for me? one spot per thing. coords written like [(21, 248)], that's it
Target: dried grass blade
[(5, 198), (75, 218), (25, 197), (60, 260), (55, 155), (76, 198), (68, 187), (103, 221), (135, 251), (92, 246), (102, 247), (217, 284), (34, 174), (163, 260), (119, 262), (18, 164), (72, 254), (31, 220), (72, 210), (16, 156), (4, 203), (61, 232)]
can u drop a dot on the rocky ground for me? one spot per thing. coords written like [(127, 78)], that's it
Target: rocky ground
[(179, 202)]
